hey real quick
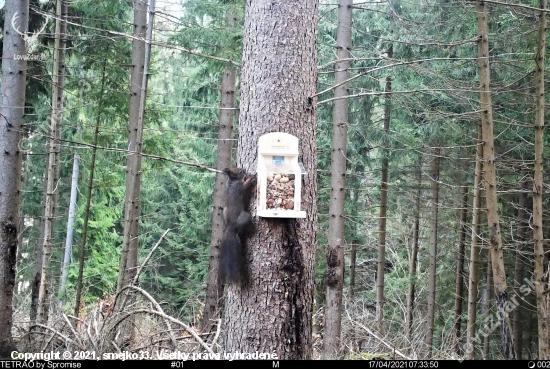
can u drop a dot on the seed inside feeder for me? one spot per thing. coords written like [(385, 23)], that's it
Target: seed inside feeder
[(280, 191)]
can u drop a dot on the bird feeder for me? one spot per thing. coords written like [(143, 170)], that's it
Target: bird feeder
[(279, 177)]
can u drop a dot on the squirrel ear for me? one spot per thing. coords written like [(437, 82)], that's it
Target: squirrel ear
[(226, 171)]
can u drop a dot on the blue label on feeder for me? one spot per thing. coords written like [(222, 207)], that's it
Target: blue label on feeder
[(278, 160)]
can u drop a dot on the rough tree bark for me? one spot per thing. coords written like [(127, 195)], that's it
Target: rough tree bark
[(495, 239), (433, 252), (279, 73), (475, 250), (485, 308), (214, 286), (380, 273), (459, 293), (52, 186), (12, 110), (335, 248), (128, 258), (541, 287), (414, 254)]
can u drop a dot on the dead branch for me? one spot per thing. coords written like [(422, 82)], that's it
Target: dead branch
[(187, 328), (72, 330), (218, 330), (87, 331), (57, 333), (378, 338), (156, 304), (138, 273)]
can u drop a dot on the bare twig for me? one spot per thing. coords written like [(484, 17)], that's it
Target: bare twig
[(387, 66), (149, 257), (187, 328), (87, 330), (57, 333), (155, 157), (218, 330), (515, 5), (379, 93), (114, 344), (157, 307), (156, 43), (72, 330), (378, 338)]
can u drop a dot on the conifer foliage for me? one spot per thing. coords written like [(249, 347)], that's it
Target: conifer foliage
[(421, 128)]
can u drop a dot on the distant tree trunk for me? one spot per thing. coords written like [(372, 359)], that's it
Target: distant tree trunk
[(541, 286), (79, 282), (214, 285), (274, 313), (475, 250), (353, 261), (533, 329), (132, 203), (433, 252), (486, 309), (459, 293), (353, 252), (52, 187), (335, 249), (380, 298), (21, 229), (38, 263), (495, 240), (518, 270), (414, 254), (12, 110), (70, 228)]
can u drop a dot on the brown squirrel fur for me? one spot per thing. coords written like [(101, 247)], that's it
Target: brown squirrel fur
[(238, 225)]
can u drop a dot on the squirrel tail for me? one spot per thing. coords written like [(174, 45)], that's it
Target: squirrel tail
[(231, 257)]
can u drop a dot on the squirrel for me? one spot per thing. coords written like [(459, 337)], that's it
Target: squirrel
[(238, 225)]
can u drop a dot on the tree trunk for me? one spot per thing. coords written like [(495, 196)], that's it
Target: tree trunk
[(522, 222), (274, 312), (353, 262), (214, 285), (495, 240), (128, 258), (335, 249), (459, 293), (380, 298), (433, 252), (12, 110), (485, 308), (20, 229), (56, 120), (38, 263), (541, 287), (70, 228), (533, 329), (414, 254), (475, 250), (79, 282), (353, 252)]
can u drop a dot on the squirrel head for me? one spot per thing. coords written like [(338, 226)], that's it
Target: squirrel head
[(235, 173)]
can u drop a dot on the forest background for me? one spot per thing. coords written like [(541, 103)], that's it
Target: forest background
[(414, 109)]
